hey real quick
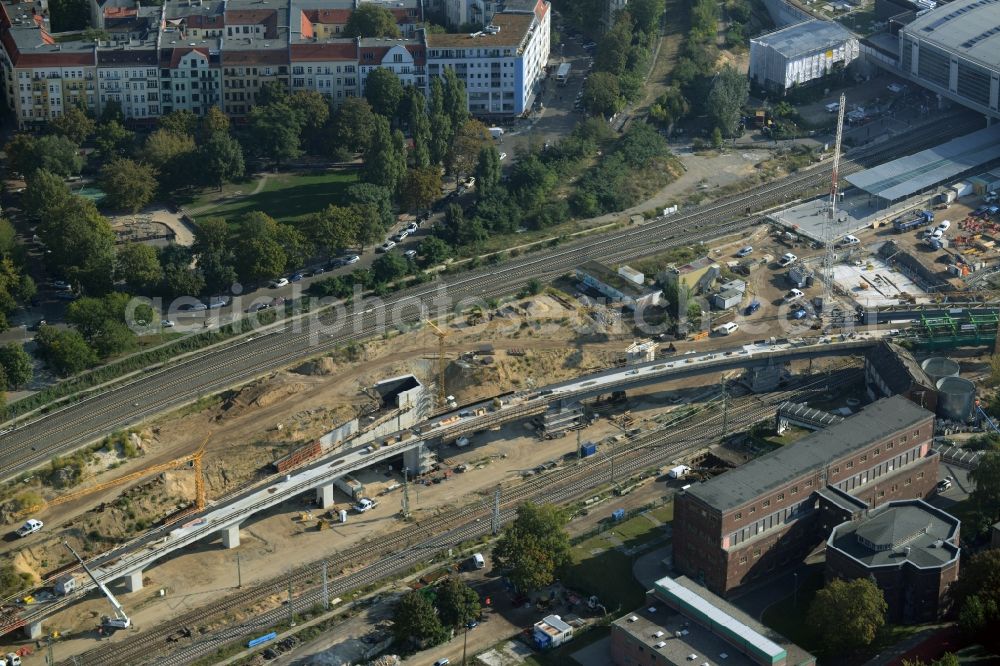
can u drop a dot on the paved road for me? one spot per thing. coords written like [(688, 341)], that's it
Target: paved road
[(38, 441)]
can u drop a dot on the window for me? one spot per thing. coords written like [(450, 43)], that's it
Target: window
[(756, 553), (743, 560), (738, 515), (781, 497), (766, 503), (809, 483), (908, 482), (876, 452), (850, 464), (881, 494), (889, 445), (920, 475), (836, 470), (864, 458), (795, 490), (752, 509)]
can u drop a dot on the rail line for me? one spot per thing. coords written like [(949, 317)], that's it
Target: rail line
[(176, 384), (398, 552)]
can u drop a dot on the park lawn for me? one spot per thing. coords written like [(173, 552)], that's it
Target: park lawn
[(285, 197), (607, 575)]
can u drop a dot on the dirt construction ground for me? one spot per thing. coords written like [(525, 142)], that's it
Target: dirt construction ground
[(252, 427)]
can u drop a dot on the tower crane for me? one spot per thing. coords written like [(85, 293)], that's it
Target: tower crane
[(442, 363), (120, 620), (195, 459), (834, 184)]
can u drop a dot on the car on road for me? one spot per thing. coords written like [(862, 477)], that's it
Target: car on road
[(798, 313), (319, 270), (895, 88), (166, 323), (787, 259), (401, 236), (30, 527), (411, 228), (280, 282), (256, 307), (503, 156), (471, 624), (849, 240), (296, 277), (59, 284), (37, 325), (745, 251), (443, 661), (364, 504), (386, 246), (410, 254), (753, 307), (590, 45), (943, 485)]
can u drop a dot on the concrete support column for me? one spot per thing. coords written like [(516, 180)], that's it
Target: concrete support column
[(231, 537), (415, 459), (134, 581), (324, 495), (33, 630)]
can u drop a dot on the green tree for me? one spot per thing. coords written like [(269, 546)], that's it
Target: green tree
[(332, 229), (414, 622), (17, 365), (646, 14), (613, 49), (487, 171), (220, 159), (421, 187), (669, 107), (470, 138), (297, 246), (128, 185), (726, 98), (259, 254), (275, 133), (378, 198), (56, 154), (139, 266), (847, 615), (976, 595), (211, 235), (81, 242), (371, 20), (414, 113), (440, 123), (433, 251), (350, 129), (389, 267), (12, 581), (163, 148), (45, 193), (370, 230), (180, 280), (985, 496), (68, 15), (455, 103), (182, 122), (312, 111), (384, 92), (717, 138), (102, 322), (74, 124), (385, 161), (601, 94), (215, 121), (112, 139), (65, 352), (534, 547), (456, 602)]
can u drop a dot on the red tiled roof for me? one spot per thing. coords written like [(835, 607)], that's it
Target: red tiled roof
[(541, 9), (53, 59), (120, 12), (204, 21), (305, 26), (344, 50), (177, 54), (262, 57), (249, 16), (329, 16)]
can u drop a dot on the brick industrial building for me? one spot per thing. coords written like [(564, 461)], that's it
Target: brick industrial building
[(748, 523), (909, 548)]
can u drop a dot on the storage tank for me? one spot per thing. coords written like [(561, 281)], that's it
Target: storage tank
[(939, 367), (956, 396)]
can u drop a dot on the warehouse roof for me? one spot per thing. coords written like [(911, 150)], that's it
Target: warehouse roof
[(806, 37), (909, 175), (813, 452), (968, 27), (908, 531)]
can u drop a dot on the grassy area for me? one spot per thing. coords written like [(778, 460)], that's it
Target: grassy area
[(285, 197)]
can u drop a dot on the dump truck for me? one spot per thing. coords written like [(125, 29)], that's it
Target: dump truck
[(912, 220)]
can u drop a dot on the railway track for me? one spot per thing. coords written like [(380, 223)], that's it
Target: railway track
[(399, 552), (36, 442)]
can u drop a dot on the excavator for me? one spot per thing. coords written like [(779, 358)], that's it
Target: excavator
[(120, 620)]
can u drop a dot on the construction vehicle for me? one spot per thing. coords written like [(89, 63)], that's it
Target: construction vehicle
[(194, 459), (120, 620), (912, 220)]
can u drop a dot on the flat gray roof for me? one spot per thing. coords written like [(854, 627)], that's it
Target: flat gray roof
[(908, 175), (970, 28), (806, 37), (909, 531), (744, 484)]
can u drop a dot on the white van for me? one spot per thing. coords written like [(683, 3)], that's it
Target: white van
[(850, 240), (793, 295), (478, 561), (726, 329), (833, 107)]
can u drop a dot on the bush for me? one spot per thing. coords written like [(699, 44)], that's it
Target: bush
[(12, 581)]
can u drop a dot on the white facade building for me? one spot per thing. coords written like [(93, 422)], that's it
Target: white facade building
[(800, 53)]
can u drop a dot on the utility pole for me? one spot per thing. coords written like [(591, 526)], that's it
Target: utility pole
[(239, 572), (406, 494), (495, 520), (326, 589), (291, 611), (465, 642)]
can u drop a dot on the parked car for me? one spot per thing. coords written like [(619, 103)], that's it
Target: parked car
[(753, 307), (30, 527), (410, 254), (256, 307), (60, 284), (787, 259), (798, 313), (401, 236), (793, 295), (166, 323), (727, 329), (850, 240), (364, 504), (386, 246), (66, 296), (37, 325), (411, 228), (944, 225), (943, 485), (296, 277), (503, 156), (745, 251), (280, 282)]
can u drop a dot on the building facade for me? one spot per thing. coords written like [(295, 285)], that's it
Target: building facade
[(753, 521), (801, 53), (909, 548), (196, 54)]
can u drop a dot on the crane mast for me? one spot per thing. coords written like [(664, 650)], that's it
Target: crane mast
[(834, 184), (120, 620)]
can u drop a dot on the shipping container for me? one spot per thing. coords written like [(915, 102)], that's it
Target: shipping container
[(588, 449)]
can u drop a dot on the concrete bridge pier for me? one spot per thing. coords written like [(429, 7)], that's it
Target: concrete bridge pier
[(418, 459), (231, 536), (33, 630), (133, 581), (324, 496)]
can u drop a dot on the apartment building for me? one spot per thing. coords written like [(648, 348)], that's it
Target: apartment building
[(196, 54), (503, 65), (756, 520)]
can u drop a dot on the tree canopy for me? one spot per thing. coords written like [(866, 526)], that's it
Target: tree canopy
[(847, 615), (384, 92), (456, 602), (726, 98), (533, 547), (371, 20), (414, 621), (128, 185)]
